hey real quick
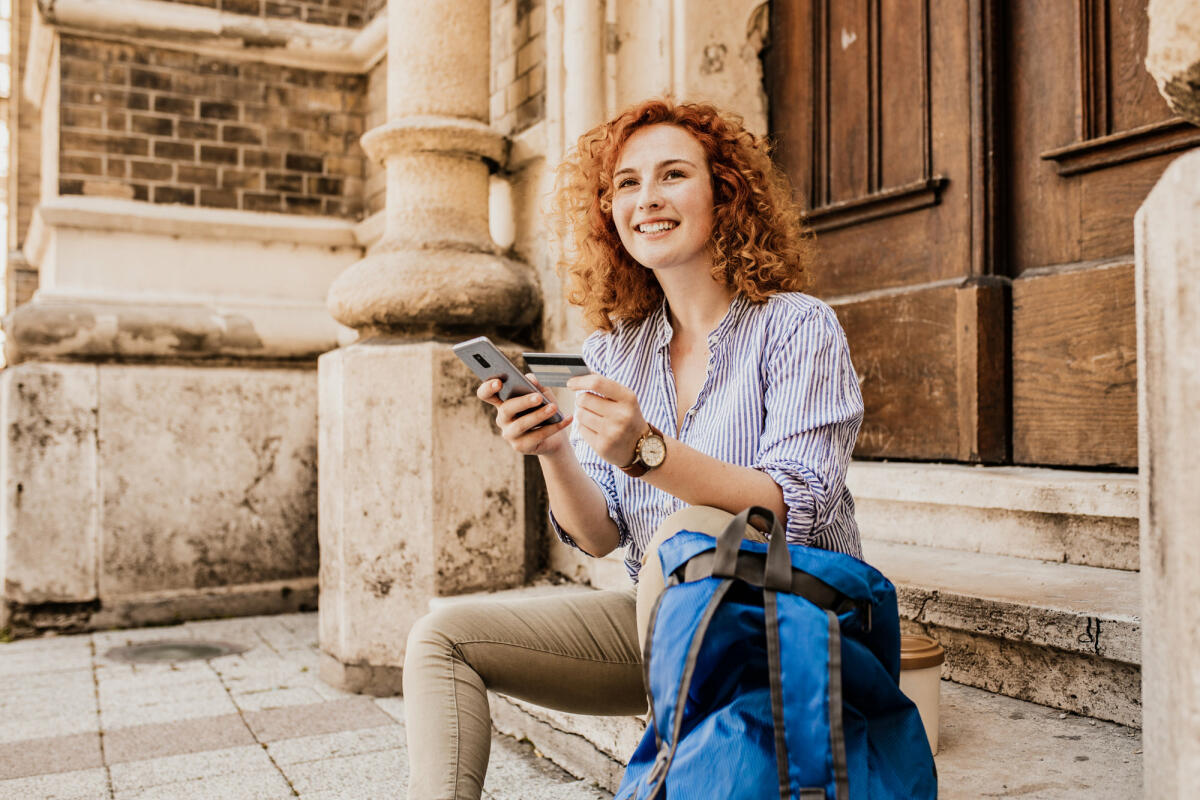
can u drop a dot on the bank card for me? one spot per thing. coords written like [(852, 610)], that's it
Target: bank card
[(555, 369)]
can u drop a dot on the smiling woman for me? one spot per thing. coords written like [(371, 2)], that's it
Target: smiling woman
[(713, 384), (757, 243)]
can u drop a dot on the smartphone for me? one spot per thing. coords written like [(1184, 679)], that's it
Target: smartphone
[(487, 362), (555, 369)]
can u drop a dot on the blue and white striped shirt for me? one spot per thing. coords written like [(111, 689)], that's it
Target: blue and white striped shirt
[(780, 396)]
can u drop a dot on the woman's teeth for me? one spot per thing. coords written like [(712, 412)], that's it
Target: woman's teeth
[(656, 227)]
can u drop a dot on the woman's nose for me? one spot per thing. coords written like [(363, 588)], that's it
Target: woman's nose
[(649, 197)]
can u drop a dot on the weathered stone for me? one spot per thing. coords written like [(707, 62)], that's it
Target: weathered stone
[(50, 525), (1167, 235), (208, 477), (1057, 634), (398, 288), (1072, 682), (420, 496), (1173, 54)]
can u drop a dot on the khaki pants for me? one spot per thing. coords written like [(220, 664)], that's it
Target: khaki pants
[(579, 653)]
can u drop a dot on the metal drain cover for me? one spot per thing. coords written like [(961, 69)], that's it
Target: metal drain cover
[(167, 651)]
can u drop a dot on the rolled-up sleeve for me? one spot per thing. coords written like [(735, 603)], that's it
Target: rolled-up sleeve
[(812, 412), (596, 468)]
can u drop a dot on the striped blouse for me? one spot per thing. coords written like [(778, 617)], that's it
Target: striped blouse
[(780, 396)]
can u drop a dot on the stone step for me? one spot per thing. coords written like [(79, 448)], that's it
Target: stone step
[(1085, 518), (990, 746), (1057, 634)]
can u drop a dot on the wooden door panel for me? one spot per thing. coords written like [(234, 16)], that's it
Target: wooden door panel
[(872, 108), (927, 361), (1075, 368), (1090, 138)]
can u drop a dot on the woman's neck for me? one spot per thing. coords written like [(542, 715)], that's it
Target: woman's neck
[(697, 306)]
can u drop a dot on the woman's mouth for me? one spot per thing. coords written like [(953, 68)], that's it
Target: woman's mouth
[(658, 226)]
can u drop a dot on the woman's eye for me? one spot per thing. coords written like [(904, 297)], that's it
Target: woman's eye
[(675, 173), (626, 182)]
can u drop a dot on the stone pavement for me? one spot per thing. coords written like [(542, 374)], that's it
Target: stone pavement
[(78, 725), (75, 725)]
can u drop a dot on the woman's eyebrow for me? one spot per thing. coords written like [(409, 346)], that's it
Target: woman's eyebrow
[(659, 165)]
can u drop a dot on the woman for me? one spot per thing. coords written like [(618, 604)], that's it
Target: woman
[(715, 385)]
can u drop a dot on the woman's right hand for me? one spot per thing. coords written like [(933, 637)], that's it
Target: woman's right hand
[(518, 430)]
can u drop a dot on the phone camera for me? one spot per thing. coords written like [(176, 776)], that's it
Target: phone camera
[(481, 360)]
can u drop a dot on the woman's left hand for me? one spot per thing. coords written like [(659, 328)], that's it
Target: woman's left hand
[(610, 419)]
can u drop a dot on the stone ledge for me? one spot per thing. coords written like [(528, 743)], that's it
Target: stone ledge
[(1034, 489), (1083, 518), (96, 329), (1095, 612), (132, 216), (241, 37)]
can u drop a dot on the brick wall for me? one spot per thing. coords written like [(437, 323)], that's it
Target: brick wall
[(346, 13), (518, 82), (169, 126)]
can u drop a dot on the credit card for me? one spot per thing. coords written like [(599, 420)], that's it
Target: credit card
[(555, 369)]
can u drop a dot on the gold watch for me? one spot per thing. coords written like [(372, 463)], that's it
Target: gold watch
[(650, 452)]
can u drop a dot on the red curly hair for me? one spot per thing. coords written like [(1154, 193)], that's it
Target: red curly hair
[(758, 243)]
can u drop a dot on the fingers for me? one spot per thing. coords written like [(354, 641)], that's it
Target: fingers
[(514, 407), (488, 391)]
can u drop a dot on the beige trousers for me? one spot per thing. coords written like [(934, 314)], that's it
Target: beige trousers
[(579, 653)]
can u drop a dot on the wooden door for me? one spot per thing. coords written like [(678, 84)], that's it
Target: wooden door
[(972, 170)]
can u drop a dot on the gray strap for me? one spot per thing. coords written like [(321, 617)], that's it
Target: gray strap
[(730, 540), (837, 730), (775, 671), (659, 774), (749, 568)]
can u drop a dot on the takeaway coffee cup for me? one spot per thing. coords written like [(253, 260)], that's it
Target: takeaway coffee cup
[(921, 679)]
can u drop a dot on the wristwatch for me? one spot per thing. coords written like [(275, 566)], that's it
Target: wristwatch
[(649, 452)]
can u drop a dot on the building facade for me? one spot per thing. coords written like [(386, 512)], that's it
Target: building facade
[(244, 232)]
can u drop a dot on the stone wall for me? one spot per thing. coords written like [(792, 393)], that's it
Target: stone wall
[(347, 13), (24, 168), (170, 126), (518, 81)]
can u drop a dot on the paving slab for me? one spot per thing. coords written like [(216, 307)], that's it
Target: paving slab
[(55, 754), (87, 784), (190, 767), (265, 784), (329, 717), (339, 745)]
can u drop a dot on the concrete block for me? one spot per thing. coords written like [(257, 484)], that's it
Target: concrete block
[(50, 512), (1167, 237), (188, 767), (84, 784), (420, 497), (208, 477)]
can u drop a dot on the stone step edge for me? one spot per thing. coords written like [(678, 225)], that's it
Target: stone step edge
[(1086, 610), (582, 745), (1032, 489), (1090, 519)]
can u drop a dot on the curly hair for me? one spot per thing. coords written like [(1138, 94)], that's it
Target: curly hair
[(758, 243)]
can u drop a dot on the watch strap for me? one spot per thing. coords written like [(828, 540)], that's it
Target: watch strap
[(636, 468)]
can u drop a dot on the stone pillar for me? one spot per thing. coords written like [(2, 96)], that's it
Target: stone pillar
[(419, 497), (1167, 243)]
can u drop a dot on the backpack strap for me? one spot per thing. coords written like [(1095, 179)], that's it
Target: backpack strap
[(656, 778), (837, 729), (775, 671)]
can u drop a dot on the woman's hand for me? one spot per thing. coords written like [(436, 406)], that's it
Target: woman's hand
[(610, 419), (518, 431)]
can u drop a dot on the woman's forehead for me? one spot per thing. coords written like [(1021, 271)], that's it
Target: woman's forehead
[(655, 144)]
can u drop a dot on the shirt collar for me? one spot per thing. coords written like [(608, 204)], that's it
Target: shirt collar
[(661, 320)]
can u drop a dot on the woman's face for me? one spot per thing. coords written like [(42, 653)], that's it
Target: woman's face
[(663, 199)]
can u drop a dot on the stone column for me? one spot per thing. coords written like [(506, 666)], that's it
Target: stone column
[(418, 495), (1167, 231)]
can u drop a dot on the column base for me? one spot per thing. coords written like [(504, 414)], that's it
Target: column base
[(376, 680)]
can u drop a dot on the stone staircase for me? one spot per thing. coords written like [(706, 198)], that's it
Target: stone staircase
[(1028, 577)]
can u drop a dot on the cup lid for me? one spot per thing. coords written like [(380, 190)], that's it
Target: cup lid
[(918, 652)]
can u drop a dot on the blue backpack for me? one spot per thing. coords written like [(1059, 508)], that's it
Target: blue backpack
[(773, 671)]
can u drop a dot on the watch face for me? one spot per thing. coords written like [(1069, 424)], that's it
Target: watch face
[(652, 451)]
